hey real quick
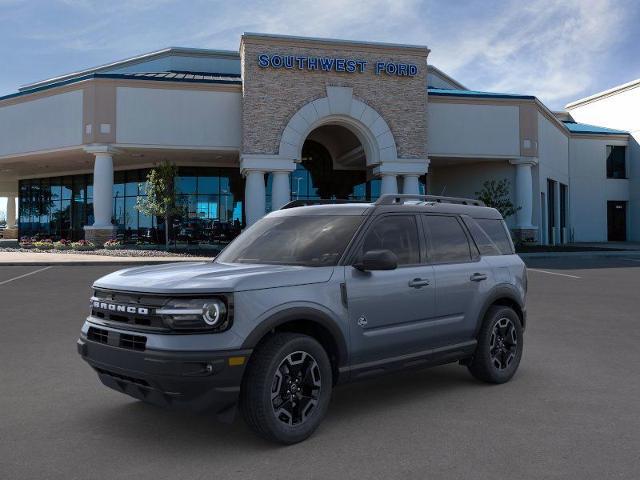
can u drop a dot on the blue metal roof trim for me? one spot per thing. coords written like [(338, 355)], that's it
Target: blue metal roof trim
[(585, 128), (444, 92), (227, 79)]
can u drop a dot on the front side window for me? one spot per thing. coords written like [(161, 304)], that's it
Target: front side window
[(310, 241), (397, 233), (448, 242), (616, 165)]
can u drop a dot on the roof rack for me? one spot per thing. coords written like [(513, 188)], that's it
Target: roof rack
[(322, 201), (391, 199)]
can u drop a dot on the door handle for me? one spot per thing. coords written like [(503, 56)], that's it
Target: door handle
[(418, 282), (478, 277)]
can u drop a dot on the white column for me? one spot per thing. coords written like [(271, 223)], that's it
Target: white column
[(411, 184), (524, 193), (103, 189), (389, 184), (280, 191), (11, 212), (254, 196)]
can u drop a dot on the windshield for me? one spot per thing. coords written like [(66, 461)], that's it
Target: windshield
[(312, 241)]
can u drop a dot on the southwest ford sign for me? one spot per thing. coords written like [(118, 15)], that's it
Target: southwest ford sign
[(334, 64)]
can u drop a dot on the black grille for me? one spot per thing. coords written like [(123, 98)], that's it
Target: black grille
[(98, 335), (133, 342), (133, 319), (123, 340)]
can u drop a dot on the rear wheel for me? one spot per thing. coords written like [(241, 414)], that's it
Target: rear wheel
[(499, 349), (287, 388)]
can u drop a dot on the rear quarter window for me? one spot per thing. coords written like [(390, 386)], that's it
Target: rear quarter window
[(491, 236)]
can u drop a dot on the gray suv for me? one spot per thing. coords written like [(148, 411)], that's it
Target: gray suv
[(310, 297)]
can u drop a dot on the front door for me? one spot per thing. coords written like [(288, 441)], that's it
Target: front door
[(390, 311), (617, 221)]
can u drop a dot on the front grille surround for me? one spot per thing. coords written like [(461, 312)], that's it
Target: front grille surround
[(135, 312)]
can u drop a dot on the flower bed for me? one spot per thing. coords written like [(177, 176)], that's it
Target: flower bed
[(113, 245), (83, 245), (62, 245)]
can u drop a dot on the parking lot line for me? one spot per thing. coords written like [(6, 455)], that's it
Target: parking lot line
[(25, 275), (553, 273)]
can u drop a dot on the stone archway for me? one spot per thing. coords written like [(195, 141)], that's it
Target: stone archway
[(339, 107)]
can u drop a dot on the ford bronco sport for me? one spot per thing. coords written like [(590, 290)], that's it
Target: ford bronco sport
[(310, 297)]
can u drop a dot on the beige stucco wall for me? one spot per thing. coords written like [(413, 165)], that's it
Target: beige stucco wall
[(178, 117), (272, 96)]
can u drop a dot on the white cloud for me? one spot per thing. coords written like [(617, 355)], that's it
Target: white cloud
[(548, 49)]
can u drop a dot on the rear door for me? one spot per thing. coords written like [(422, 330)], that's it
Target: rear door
[(389, 311), (462, 278)]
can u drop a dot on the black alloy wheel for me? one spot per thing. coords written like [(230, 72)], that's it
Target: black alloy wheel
[(296, 388)]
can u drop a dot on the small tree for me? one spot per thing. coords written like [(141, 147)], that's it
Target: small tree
[(496, 194), (161, 199)]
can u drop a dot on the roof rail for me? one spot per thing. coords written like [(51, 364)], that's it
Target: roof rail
[(321, 201), (394, 199)]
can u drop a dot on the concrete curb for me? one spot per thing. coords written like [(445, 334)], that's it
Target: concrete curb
[(94, 263), (592, 254)]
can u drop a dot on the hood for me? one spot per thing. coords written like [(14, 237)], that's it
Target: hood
[(209, 277)]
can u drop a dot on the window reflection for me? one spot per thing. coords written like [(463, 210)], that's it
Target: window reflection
[(211, 199)]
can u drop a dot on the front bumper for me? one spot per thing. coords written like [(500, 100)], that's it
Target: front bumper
[(197, 381)]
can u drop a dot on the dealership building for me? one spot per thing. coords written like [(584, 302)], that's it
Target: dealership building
[(305, 118)]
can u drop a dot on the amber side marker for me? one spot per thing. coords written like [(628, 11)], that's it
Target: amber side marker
[(236, 361)]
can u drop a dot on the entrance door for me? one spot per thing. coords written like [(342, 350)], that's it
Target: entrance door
[(390, 310), (617, 221)]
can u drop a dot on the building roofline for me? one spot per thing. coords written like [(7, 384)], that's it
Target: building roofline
[(562, 125), (120, 76), (448, 78), (132, 61), (336, 41), (605, 93), (445, 92)]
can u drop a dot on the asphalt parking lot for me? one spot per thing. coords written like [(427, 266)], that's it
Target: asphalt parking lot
[(572, 411)]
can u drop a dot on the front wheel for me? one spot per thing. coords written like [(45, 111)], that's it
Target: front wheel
[(287, 388), (499, 348)]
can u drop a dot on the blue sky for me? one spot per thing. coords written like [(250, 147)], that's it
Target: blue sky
[(556, 50)]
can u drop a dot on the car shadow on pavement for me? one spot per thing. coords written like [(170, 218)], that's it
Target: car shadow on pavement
[(143, 424)]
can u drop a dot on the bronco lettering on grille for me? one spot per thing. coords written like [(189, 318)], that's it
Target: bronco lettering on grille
[(113, 307)]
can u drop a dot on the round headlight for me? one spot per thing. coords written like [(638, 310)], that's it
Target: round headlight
[(213, 312)]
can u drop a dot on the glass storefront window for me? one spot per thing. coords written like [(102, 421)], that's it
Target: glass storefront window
[(60, 207)]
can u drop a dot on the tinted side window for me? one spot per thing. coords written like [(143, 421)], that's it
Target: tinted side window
[(398, 233), (497, 232), (448, 243), (485, 244)]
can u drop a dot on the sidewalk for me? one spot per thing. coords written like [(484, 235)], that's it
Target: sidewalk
[(36, 259)]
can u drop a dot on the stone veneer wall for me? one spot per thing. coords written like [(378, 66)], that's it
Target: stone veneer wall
[(272, 96)]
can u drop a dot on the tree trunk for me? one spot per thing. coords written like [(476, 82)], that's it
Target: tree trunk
[(166, 232)]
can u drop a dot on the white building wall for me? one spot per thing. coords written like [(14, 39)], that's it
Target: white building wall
[(188, 118), (590, 189), (43, 124), (467, 177), (553, 163), (472, 129), (620, 111)]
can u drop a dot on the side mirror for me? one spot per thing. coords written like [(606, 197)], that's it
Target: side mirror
[(377, 260)]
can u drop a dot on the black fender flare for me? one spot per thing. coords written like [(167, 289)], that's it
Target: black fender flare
[(300, 313), (503, 291)]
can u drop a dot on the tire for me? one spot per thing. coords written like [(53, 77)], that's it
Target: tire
[(296, 368), (500, 344)]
